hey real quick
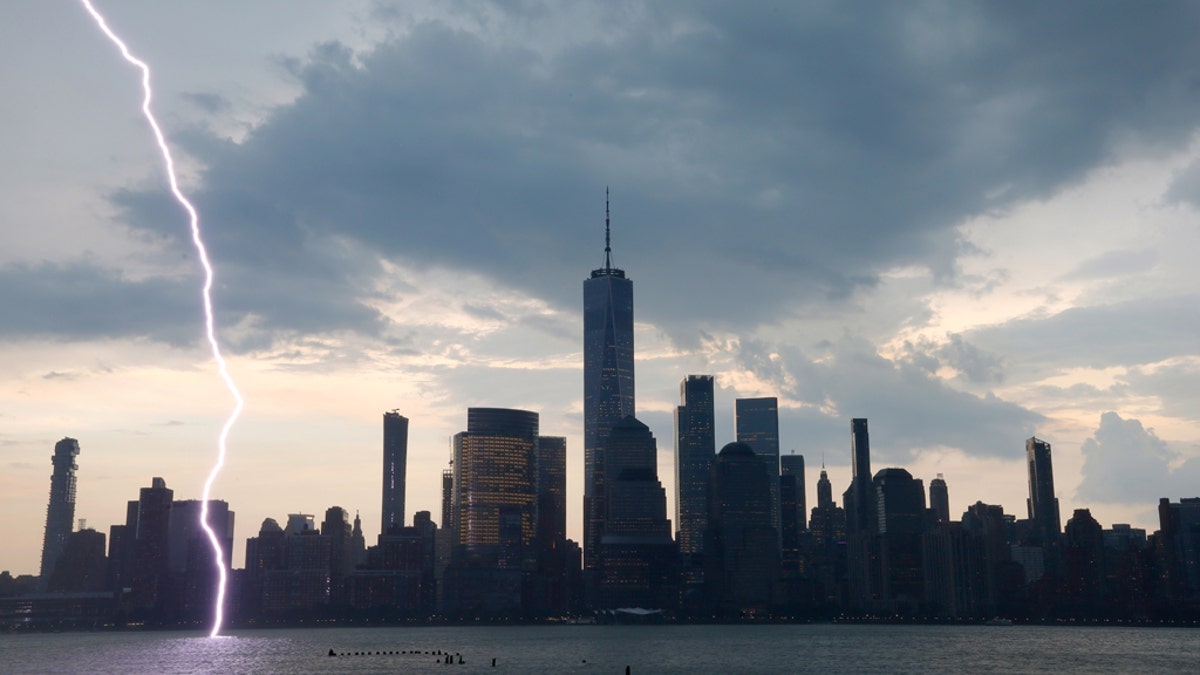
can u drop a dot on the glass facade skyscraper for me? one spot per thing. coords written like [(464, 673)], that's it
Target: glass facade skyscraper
[(1042, 504), (695, 448), (757, 422), (607, 381), (860, 502), (395, 461), (495, 480)]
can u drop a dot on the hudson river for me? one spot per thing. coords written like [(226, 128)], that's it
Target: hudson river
[(727, 650)]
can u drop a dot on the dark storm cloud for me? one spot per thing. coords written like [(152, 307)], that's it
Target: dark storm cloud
[(1128, 333), (973, 364), (208, 102), (81, 301), (760, 159), (908, 408)]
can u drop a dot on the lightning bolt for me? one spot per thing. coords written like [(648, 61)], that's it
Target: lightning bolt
[(202, 254)]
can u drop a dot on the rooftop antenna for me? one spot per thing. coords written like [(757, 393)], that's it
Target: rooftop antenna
[(607, 235)]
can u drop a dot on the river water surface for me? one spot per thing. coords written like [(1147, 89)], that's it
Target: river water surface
[(819, 648)]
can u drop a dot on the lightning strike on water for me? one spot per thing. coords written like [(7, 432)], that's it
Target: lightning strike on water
[(202, 253)]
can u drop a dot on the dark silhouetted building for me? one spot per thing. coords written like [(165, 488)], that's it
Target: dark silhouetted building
[(885, 561), (336, 527), (939, 499), (608, 394), (150, 546), (395, 461), (955, 570), (1083, 565), (757, 423), (60, 513), (827, 528), (82, 566), (858, 500), (1043, 505), (550, 591), (793, 465), (1177, 546), (287, 569), (638, 558), (120, 549), (792, 515), (191, 562), (695, 449), (551, 490), (447, 499), (399, 576), (742, 547)]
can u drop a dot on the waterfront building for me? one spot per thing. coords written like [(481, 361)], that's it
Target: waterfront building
[(757, 424), (395, 462), (495, 486), (638, 558), (608, 382), (1042, 504), (939, 499), (742, 545), (695, 448), (60, 512)]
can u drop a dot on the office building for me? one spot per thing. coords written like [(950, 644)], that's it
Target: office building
[(395, 461), (150, 545), (551, 491), (858, 500), (1042, 504), (495, 485), (60, 513), (742, 545), (695, 449), (757, 422), (608, 395), (638, 559), (82, 566), (792, 514), (793, 465), (191, 561), (939, 499)]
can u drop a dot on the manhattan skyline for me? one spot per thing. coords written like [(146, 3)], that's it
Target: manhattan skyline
[(856, 210)]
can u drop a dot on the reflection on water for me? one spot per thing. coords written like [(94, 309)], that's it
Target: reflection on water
[(609, 649)]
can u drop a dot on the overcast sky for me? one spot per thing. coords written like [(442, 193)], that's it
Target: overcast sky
[(968, 222)]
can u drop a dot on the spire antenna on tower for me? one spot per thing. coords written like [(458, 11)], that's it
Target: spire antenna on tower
[(607, 235)]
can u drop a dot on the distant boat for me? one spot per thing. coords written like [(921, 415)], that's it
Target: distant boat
[(998, 621)]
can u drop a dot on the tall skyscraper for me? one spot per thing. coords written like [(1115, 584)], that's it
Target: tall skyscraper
[(757, 422), (741, 554), (395, 461), (60, 513), (858, 506), (448, 499), (1042, 504), (191, 572), (495, 483), (793, 465), (939, 498), (607, 379), (639, 561), (551, 491), (695, 449), (149, 574), (824, 490)]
